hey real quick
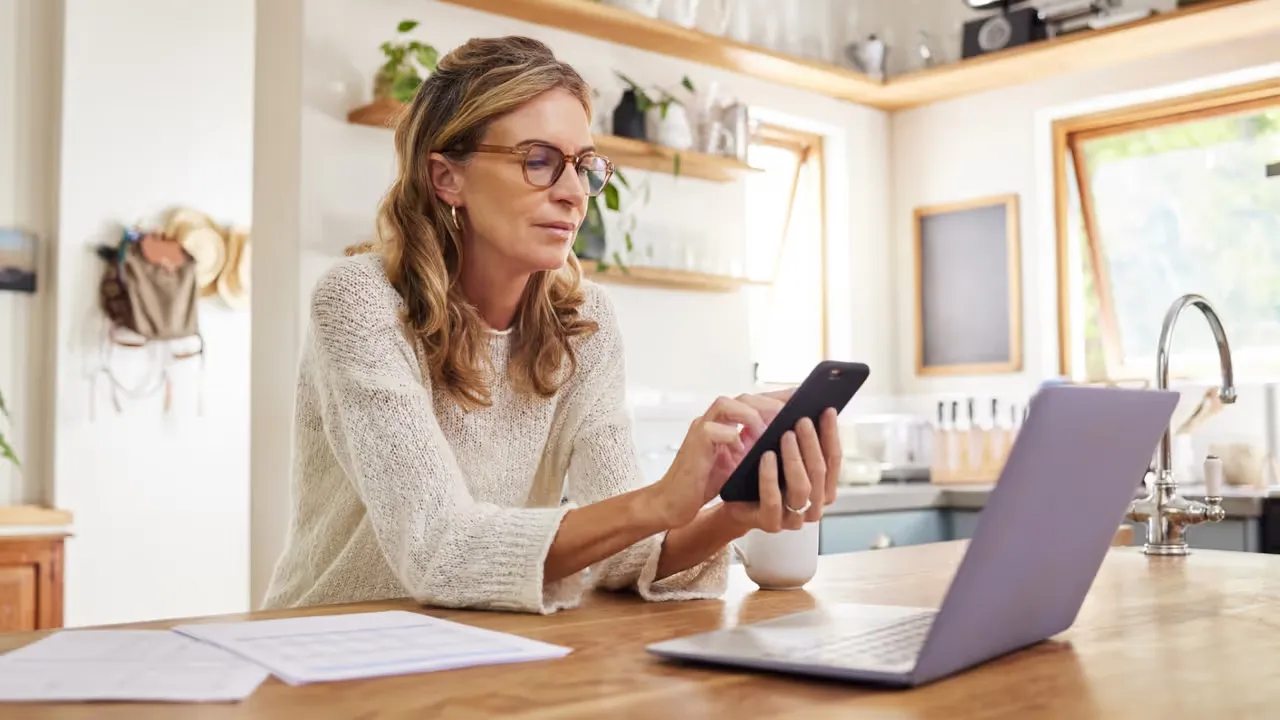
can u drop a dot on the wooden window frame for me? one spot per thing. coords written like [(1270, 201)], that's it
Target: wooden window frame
[(1068, 134), (810, 151)]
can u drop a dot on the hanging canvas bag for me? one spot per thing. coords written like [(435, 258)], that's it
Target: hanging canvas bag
[(149, 292)]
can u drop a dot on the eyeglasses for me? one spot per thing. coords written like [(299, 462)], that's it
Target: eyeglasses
[(543, 165)]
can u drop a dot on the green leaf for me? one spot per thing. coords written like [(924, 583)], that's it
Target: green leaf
[(595, 221), (602, 266), (406, 25), (611, 199), (634, 85), (675, 169), (687, 84), (405, 87), (3, 410), (630, 245), (617, 173), (428, 56), (6, 451), (644, 100), (621, 265)]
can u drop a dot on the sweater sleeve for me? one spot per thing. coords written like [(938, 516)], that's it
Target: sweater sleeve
[(603, 463), (445, 548)]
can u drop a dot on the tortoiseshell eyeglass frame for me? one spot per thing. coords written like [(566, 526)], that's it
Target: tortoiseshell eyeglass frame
[(522, 151)]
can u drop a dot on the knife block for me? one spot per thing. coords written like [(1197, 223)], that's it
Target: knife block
[(973, 455)]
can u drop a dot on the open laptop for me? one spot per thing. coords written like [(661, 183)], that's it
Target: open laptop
[(1040, 541)]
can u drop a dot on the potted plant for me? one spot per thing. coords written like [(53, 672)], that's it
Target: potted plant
[(665, 120), (407, 65), (6, 450), (591, 242)]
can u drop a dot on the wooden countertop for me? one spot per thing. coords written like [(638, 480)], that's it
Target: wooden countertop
[(1158, 637), (27, 522), (33, 515)]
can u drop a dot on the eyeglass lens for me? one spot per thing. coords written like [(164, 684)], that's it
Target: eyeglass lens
[(544, 164)]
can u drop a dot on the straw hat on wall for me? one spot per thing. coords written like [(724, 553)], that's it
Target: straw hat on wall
[(198, 234), (233, 281)]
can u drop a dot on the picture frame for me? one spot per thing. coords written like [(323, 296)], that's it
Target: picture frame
[(968, 287), (18, 259)]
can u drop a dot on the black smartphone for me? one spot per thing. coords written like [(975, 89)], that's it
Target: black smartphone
[(830, 385)]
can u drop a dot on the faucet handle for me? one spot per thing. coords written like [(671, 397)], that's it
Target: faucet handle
[(1212, 478), (1148, 477)]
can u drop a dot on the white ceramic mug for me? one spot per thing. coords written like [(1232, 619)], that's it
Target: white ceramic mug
[(780, 561)]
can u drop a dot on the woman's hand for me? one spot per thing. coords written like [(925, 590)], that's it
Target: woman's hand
[(727, 459), (810, 460), (716, 443), (708, 455)]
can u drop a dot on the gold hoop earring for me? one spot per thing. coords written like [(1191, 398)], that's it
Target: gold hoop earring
[(453, 210)]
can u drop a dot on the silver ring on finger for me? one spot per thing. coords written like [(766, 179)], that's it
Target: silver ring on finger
[(799, 511)]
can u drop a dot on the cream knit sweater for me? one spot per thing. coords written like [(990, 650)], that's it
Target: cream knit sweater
[(397, 492)]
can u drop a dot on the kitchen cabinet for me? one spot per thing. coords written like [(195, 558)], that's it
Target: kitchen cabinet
[(962, 523), (31, 582), (1240, 535), (865, 531)]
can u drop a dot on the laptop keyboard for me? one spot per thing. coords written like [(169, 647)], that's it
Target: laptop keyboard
[(893, 645)]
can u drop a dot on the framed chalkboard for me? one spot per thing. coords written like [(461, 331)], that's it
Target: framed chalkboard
[(968, 288)]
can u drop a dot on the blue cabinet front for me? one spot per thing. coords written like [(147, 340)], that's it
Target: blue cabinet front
[(867, 531)]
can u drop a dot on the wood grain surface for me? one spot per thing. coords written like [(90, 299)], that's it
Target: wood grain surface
[(1158, 637)]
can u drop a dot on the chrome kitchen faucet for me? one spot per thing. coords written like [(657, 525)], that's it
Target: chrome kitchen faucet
[(1166, 513)]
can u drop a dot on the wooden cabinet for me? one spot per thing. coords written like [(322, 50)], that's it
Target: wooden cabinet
[(30, 582)]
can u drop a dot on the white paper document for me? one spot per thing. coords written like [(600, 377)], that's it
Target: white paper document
[(123, 665), (361, 645)]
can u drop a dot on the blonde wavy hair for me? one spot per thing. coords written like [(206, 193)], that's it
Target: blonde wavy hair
[(422, 250)]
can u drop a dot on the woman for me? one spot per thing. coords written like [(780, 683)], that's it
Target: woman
[(461, 381)]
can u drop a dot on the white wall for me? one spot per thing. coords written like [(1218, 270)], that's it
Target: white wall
[(30, 57), (674, 347), (994, 143), (157, 111)]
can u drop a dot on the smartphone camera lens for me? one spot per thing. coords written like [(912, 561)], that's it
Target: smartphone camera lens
[(835, 373)]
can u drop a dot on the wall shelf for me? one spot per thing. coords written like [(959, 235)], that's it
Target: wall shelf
[(606, 22), (1206, 23), (379, 113), (624, 152), (665, 278)]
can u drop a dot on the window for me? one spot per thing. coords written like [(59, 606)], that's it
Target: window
[(786, 253), (1161, 201)]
